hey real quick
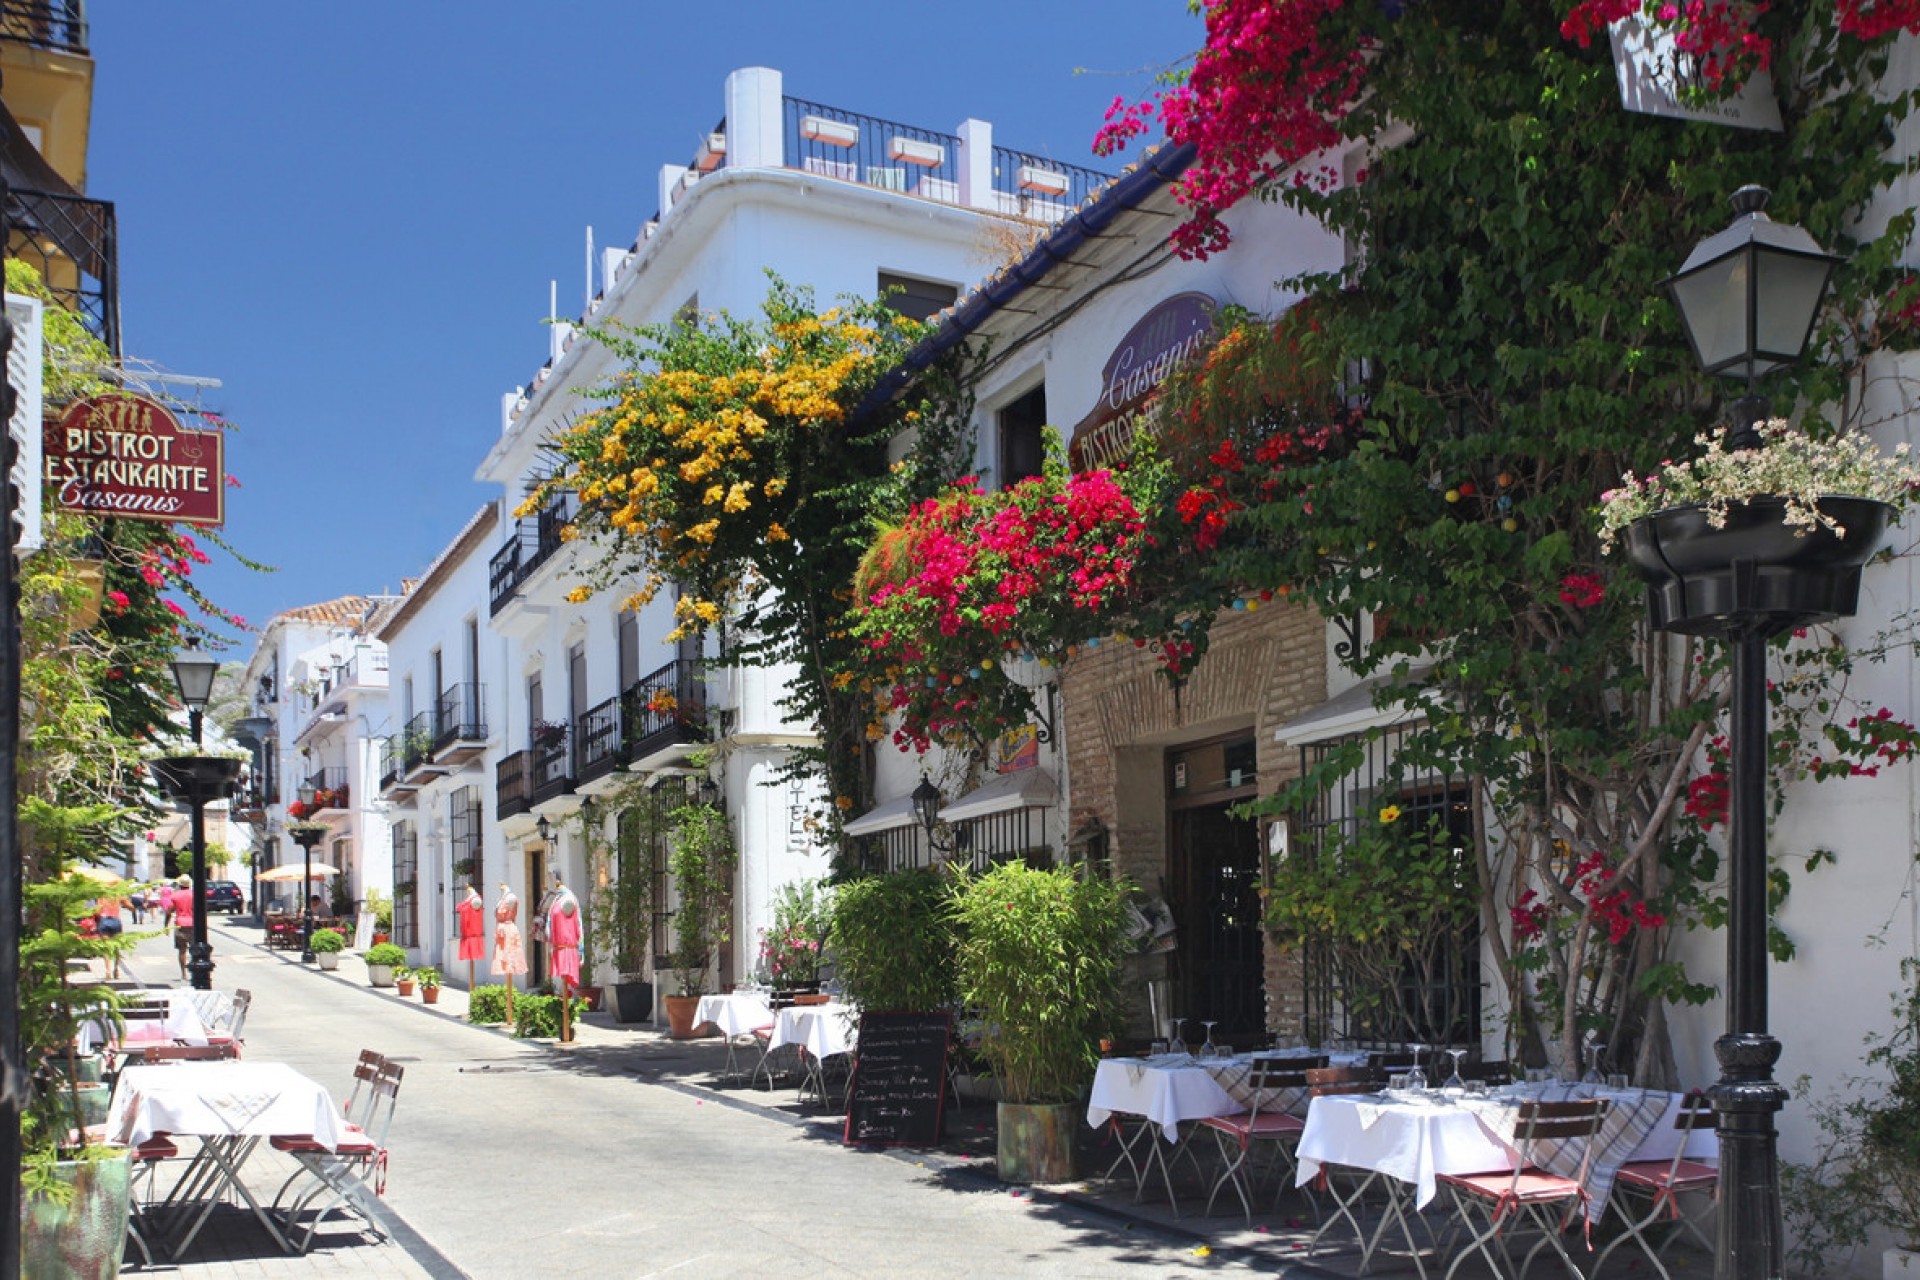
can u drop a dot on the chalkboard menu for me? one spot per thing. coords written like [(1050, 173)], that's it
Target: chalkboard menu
[(899, 1080)]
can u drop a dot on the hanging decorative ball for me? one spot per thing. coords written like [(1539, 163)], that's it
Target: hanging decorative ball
[(1266, 595), (1252, 604), (1504, 479), (1504, 503), (1510, 525), (1466, 489), (986, 664), (1453, 495), (1239, 604)]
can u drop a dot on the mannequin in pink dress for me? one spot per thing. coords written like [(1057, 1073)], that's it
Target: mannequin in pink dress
[(509, 955), (472, 929), (563, 935)]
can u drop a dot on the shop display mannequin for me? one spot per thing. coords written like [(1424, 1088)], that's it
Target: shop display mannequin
[(563, 935), (509, 955), (472, 931)]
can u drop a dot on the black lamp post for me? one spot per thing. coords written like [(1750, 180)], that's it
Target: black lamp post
[(926, 807), (306, 835), (1748, 298), (210, 780)]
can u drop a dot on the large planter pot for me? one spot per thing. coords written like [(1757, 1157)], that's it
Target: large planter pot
[(380, 975), (1757, 572), (1036, 1142), (680, 1012), (328, 960), (83, 1238), (632, 1001)]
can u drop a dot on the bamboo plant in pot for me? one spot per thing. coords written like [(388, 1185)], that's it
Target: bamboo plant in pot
[(1040, 955), (701, 866), (620, 909)]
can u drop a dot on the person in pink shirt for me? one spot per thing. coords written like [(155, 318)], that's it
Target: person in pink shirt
[(179, 909)]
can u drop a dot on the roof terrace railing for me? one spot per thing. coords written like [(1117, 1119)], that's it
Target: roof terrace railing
[(840, 144), (45, 24)]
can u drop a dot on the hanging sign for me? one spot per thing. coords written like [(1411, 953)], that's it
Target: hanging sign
[(1655, 77), (124, 455), (1163, 339)]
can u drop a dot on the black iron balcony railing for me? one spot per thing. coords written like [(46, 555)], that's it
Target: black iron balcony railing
[(663, 709), (513, 785), (552, 766), (458, 716), (46, 24), (599, 745), (416, 743), (73, 243), (530, 545), (387, 763)]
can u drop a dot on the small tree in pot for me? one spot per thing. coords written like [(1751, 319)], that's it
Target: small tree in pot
[(701, 866), (620, 908), (1040, 959), (893, 940)]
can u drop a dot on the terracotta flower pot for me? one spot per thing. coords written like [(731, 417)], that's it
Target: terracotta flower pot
[(680, 1012), (429, 995), (403, 986)]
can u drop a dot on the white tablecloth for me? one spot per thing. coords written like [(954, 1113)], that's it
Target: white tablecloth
[(182, 1024), (228, 1098), (1416, 1141), (735, 1014), (823, 1030), (1175, 1087)]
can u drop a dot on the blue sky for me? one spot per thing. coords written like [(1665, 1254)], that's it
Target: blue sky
[(349, 213)]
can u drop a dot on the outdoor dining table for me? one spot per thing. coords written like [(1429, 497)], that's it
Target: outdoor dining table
[(231, 1106), (184, 1023), (1168, 1089), (1410, 1139), (737, 1013), (819, 1031)]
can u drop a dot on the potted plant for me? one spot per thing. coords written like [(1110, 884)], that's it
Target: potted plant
[(429, 979), (1040, 955), (620, 910), (893, 941), (382, 959), (380, 906), (549, 735), (701, 867), (1778, 530), (403, 981), (327, 945), (790, 950)]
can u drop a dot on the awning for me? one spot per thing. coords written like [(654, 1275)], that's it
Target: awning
[(1021, 789), (1349, 712), (885, 816)]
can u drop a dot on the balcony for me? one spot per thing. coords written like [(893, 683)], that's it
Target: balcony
[(60, 25), (664, 714), (531, 545), (417, 764), (600, 748), (552, 766), (513, 785), (391, 766), (331, 797), (460, 725)]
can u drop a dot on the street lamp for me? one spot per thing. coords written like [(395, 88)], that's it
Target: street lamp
[(926, 807), (1748, 297), (194, 675), (306, 835)]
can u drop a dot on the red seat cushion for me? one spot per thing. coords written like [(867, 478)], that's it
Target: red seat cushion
[(155, 1148), (1532, 1186), (1691, 1175), (354, 1143), (1268, 1124)]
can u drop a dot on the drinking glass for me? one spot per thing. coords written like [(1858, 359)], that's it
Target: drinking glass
[(1617, 1080), (1158, 1049), (1454, 1081), (1207, 1047), (1397, 1081), (1591, 1051), (1416, 1078), (1537, 1075)]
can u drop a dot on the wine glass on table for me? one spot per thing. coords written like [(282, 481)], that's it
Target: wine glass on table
[(1455, 1083), (1207, 1047), (1416, 1078), (1592, 1052)]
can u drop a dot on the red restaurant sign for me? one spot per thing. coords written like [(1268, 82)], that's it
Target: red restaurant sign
[(124, 455)]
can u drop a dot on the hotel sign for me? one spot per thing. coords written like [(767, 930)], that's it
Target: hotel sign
[(1163, 340), (124, 455)]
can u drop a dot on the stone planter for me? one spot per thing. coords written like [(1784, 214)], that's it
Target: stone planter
[(632, 1001), (1755, 571), (83, 1238), (1036, 1142), (328, 960), (380, 975)]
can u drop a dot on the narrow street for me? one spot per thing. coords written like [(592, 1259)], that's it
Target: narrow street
[(510, 1160)]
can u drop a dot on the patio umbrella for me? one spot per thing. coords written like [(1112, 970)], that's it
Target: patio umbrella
[(296, 871), (99, 875)]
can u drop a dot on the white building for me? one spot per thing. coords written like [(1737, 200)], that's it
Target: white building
[(319, 675)]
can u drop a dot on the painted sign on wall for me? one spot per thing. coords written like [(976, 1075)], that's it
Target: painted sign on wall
[(1163, 339), (119, 454)]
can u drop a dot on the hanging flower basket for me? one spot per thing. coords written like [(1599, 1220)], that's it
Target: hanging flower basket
[(1755, 569), (196, 779)]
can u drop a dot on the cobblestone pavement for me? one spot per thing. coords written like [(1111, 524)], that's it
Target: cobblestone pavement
[(625, 1154)]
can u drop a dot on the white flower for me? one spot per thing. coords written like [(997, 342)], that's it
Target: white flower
[(1789, 465)]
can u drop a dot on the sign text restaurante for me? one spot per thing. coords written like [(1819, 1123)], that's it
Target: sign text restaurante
[(125, 455)]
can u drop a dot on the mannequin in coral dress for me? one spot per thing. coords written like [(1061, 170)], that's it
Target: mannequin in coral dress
[(472, 929), (563, 936)]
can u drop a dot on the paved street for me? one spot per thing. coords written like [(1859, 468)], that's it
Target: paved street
[(512, 1160)]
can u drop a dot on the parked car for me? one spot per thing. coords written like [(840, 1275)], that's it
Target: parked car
[(224, 895)]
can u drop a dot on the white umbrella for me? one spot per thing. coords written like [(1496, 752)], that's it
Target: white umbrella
[(296, 871)]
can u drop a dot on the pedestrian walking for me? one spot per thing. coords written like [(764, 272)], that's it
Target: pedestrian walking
[(137, 904), (180, 914)]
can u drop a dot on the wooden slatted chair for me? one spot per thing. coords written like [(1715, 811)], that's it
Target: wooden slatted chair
[(1527, 1196), (1647, 1191), (1272, 1126)]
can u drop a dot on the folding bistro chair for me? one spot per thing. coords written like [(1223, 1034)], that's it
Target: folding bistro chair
[(354, 1174), (236, 1022), (1527, 1194), (365, 1072), (1646, 1191), (1270, 1125), (146, 1160)]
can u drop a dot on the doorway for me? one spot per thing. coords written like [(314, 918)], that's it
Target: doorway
[(536, 856), (1213, 889)]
